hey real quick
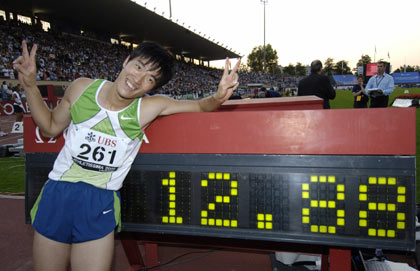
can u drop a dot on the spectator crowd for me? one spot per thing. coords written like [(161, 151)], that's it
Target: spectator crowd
[(66, 57)]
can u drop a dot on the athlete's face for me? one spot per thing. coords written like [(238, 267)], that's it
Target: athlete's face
[(137, 78)]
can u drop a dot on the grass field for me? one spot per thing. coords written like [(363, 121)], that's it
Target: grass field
[(344, 99), (12, 170)]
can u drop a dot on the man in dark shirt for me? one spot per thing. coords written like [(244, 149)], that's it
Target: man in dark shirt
[(317, 84)]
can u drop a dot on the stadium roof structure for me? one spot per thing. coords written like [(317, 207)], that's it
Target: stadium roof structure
[(125, 19)]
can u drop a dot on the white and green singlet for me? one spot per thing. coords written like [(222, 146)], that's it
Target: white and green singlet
[(100, 144)]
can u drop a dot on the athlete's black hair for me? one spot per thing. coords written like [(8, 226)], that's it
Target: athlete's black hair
[(160, 58)]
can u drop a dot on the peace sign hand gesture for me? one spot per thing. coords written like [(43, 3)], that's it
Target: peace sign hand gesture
[(228, 83), (26, 66)]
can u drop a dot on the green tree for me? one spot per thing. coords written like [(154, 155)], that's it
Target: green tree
[(329, 66), (407, 69), (289, 69), (256, 59), (364, 60), (342, 67), (300, 69)]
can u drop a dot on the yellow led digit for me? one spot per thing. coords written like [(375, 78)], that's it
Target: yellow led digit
[(169, 184), (312, 201), (220, 195), (368, 218)]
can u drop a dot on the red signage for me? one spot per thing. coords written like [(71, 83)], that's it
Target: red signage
[(378, 131), (371, 69)]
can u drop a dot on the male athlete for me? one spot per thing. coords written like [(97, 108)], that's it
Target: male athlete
[(78, 210)]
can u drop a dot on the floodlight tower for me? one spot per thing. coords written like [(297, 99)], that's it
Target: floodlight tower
[(264, 2)]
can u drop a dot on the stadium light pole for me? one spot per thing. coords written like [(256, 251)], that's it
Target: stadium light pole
[(264, 3)]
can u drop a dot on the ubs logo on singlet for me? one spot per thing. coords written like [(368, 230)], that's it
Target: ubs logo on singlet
[(106, 141), (91, 137)]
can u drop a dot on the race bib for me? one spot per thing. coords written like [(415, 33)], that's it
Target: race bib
[(358, 98), (93, 150)]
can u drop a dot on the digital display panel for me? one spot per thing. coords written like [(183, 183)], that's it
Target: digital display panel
[(371, 69), (356, 201)]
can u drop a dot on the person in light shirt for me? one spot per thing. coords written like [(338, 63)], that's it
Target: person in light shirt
[(379, 87)]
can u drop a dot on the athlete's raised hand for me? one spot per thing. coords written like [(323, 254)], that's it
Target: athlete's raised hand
[(229, 82), (26, 66)]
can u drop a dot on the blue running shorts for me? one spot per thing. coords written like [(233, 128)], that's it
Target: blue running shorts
[(76, 212)]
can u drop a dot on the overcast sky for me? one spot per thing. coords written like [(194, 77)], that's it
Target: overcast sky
[(304, 30)]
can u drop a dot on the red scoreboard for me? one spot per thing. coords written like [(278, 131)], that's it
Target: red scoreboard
[(329, 177)]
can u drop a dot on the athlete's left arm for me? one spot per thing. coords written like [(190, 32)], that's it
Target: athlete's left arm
[(227, 85), (157, 105)]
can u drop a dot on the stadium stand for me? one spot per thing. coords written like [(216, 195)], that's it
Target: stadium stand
[(65, 57)]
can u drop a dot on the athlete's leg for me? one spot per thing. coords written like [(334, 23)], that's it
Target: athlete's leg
[(93, 255), (50, 255)]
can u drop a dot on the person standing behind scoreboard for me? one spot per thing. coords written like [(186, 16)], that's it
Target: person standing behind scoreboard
[(317, 84), (380, 86)]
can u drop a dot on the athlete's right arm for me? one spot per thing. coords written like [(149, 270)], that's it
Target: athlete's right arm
[(51, 123)]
